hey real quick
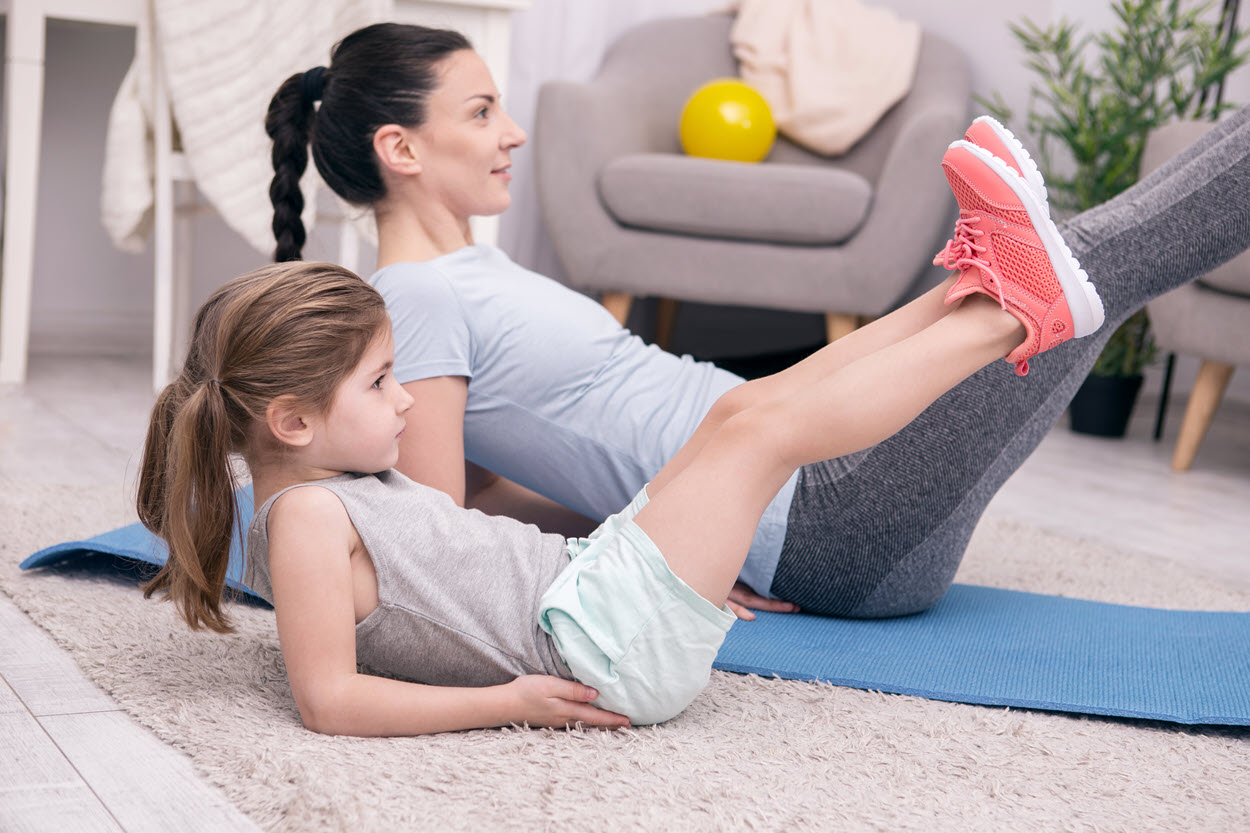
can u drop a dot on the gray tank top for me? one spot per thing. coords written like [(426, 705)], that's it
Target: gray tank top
[(458, 590)]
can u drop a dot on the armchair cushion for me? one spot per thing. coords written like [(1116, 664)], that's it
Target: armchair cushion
[(764, 202), (1233, 278)]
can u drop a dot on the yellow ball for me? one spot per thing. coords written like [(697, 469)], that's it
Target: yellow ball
[(727, 119)]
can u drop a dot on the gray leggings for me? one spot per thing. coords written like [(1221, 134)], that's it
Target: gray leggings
[(881, 532)]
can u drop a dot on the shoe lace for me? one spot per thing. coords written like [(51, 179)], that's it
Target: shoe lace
[(964, 250)]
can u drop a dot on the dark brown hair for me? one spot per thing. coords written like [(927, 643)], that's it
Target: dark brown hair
[(295, 329), (381, 74)]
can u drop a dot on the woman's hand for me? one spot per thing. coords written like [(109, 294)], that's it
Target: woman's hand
[(557, 703), (743, 597)]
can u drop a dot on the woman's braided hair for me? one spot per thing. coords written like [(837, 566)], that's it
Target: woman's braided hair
[(378, 75)]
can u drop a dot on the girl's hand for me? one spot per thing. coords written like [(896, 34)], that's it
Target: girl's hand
[(743, 597), (557, 703)]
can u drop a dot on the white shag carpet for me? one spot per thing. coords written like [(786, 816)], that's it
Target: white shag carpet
[(750, 754)]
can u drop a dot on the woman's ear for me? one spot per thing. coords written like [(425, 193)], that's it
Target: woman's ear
[(396, 149), (288, 423)]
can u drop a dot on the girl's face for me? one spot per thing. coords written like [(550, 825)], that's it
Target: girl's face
[(466, 142), (362, 429)]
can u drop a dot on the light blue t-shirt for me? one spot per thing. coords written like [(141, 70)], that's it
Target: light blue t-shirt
[(561, 398)]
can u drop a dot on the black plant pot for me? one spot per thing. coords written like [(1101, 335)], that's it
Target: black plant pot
[(1103, 405)]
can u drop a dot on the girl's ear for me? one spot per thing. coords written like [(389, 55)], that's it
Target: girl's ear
[(288, 423), (396, 149)]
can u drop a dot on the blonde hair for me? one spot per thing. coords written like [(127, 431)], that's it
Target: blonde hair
[(290, 329)]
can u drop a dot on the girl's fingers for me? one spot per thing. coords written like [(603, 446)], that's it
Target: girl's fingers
[(591, 716)]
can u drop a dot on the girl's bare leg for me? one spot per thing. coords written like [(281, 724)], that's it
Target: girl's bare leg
[(704, 518), (900, 324)]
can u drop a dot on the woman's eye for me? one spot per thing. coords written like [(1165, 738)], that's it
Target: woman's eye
[(481, 113)]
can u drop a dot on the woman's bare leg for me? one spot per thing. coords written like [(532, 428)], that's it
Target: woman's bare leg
[(703, 520)]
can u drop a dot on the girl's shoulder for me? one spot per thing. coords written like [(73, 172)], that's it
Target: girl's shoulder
[(310, 516), (309, 504)]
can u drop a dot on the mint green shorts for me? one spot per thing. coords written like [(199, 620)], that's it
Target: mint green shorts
[(626, 625)]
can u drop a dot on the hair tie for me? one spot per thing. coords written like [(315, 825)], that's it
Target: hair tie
[(313, 83)]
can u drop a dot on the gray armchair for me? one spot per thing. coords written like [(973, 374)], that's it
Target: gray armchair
[(630, 215), (1209, 318)]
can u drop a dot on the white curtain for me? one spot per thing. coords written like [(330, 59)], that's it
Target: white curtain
[(561, 39)]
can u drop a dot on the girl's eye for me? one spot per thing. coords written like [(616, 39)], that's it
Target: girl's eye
[(377, 383)]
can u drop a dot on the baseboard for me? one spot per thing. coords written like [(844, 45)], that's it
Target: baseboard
[(71, 332)]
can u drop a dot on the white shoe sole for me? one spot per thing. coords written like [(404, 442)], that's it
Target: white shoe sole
[(1083, 301), (1020, 155)]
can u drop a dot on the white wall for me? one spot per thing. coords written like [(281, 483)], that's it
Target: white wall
[(89, 297)]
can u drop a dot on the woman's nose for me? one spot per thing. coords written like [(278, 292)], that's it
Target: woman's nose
[(514, 136)]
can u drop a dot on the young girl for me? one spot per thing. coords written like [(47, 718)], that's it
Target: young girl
[(484, 621), (539, 385)]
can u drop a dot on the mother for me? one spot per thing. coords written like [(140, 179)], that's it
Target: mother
[(556, 407)]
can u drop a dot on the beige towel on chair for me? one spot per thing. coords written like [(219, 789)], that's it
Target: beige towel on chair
[(829, 69), (222, 62)]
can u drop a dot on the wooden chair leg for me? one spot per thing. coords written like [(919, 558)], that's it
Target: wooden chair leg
[(838, 325), (665, 321), (1208, 391), (617, 303)]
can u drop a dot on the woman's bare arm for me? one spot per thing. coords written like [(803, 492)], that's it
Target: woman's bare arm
[(497, 495), (431, 452)]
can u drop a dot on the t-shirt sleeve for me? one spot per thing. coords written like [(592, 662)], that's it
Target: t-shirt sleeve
[(431, 332)]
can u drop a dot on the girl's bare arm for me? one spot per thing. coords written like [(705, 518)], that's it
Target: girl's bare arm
[(311, 541)]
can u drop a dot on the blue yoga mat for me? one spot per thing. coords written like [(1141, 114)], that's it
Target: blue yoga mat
[(135, 543), (978, 645)]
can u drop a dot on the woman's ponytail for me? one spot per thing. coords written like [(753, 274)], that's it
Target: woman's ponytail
[(381, 74), (289, 124)]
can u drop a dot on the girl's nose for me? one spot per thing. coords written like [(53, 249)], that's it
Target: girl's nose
[(405, 401)]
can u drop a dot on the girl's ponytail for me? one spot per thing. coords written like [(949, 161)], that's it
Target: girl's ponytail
[(286, 330), (186, 496), (289, 124)]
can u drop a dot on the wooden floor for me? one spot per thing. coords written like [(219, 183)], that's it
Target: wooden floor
[(70, 760)]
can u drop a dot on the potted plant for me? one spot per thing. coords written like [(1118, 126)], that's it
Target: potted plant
[(1095, 101)]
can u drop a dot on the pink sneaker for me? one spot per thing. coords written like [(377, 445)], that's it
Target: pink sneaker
[(1006, 246), (989, 133)]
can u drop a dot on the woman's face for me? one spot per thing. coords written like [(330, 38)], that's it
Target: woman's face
[(466, 142)]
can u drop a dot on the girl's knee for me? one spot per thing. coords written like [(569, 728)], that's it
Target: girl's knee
[(761, 432), (732, 402)]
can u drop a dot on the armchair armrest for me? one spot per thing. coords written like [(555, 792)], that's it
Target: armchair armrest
[(911, 192)]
